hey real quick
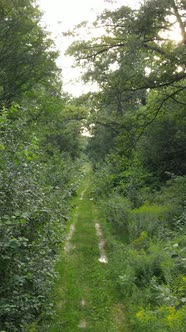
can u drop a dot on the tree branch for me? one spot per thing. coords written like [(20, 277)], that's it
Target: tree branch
[(181, 24)]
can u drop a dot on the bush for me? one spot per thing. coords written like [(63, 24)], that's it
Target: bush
[(151, 219), (34, 190), (117, 214)]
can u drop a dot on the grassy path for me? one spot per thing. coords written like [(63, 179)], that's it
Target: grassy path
[(86, 297)]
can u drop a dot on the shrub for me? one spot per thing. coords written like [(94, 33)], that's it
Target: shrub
[(147, 218), (117, 213)]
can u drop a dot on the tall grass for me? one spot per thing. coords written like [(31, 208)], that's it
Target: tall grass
[(151, 219), (147, 254)]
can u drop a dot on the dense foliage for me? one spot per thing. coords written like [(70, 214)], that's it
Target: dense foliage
[(137, 120), (137, 148), (39, 151)]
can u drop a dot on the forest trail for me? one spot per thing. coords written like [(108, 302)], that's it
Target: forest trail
[(86, 297)]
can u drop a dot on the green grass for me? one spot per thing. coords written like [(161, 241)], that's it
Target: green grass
[(83, 277)]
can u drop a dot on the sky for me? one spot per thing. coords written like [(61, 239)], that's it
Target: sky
[(62, 15)]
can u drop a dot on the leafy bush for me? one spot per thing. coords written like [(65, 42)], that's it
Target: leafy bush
[(148, 218), (117, 213), (34, 190)]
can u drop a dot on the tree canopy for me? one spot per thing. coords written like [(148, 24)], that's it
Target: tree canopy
[(27, 55), (139, 67)]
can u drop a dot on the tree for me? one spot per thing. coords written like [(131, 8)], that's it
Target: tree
[(136, 45), (162, 148), (27, 56), (135, 56), (39, 137)]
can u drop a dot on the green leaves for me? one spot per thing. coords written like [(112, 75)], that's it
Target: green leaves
[(26, 58), (34, 190), (35, 174)]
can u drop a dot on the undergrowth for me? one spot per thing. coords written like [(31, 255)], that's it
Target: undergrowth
[(147, 247)]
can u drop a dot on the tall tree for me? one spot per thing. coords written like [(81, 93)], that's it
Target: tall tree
[(27, 56), (138, 45)]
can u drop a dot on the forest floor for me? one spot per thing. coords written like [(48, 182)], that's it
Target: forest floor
[(86, 297)]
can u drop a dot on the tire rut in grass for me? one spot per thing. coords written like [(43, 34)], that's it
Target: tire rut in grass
[(87, 294), (103, 257)]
